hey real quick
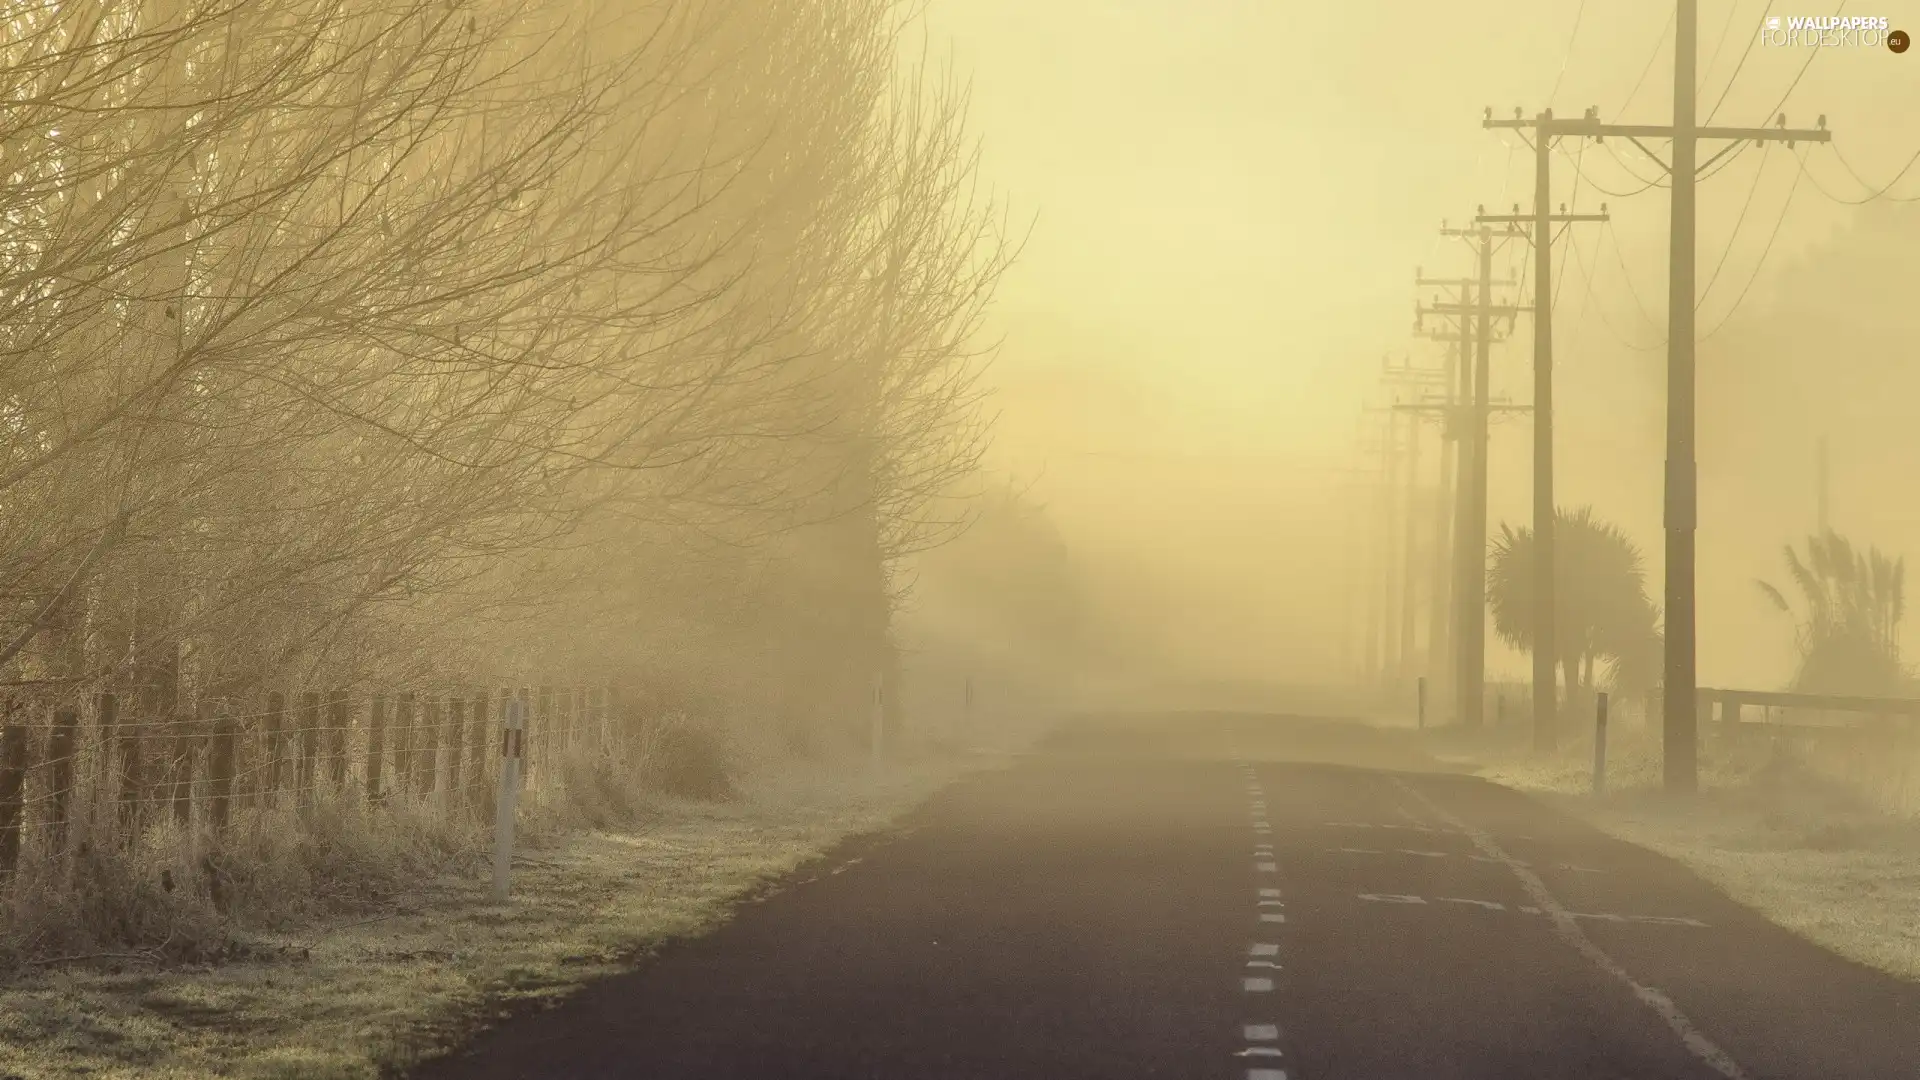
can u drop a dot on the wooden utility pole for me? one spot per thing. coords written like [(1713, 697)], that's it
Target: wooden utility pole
[(1450, 510), (1470, 641), (1820, 485), (1390, 660), (1546, 719), (1406, 375), (1680, 690)]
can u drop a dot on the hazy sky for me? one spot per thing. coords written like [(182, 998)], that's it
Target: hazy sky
[(1229, 199)]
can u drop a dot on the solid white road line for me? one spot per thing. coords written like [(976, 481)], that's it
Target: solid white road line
[(1563, 924)]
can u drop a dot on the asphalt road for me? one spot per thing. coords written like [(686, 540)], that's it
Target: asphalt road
[(1283, 899)]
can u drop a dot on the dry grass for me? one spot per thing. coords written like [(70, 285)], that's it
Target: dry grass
[(1824, 843), (355, 986)]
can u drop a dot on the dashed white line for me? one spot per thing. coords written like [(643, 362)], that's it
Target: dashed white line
[(1259, 1051), (1269, 892), (1264, 949), (1267, 867), (1257, 985), (1266, 964), (1392, 898), (1261, 1032), (1488, 904), (1272, 917)]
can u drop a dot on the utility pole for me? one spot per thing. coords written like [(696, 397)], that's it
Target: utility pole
[(1407, 375), (1820, 485), (1680, 690), (1450, 509), (1470, 643), (1546, 721), (1390, 660), (1372, 592)]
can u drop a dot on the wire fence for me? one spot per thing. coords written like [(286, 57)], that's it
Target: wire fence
[(116, 767)]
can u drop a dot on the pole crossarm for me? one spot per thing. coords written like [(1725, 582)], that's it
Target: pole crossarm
[(1528, 219), (1477, 233), (1443, 308)]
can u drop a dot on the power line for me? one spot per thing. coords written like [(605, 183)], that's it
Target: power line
[(1734, 236), (1615, 154), (1811, 53), (1873, 193), (1567, 58), (1742, 62), (1602, 188), (1627, 276), (1672, 13), (1762, 261), (1613, 332), (1719, 43)]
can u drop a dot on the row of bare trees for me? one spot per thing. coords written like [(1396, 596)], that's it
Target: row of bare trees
[(370, 340)]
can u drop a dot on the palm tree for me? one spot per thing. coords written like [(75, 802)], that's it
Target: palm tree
[(1601, 609), (1848, 634)]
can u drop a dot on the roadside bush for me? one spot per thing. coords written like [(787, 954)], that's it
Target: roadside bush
[(684, 758)]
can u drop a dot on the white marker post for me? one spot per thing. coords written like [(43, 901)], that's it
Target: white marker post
[(510, 752), (1600, 744)]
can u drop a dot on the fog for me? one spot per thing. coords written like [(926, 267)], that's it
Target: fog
[(1227, 206)]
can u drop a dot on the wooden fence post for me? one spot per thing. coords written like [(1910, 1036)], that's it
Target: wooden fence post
[(530, 729), (276, 726), (542, 726), (477, 751), (220, 769), (428, 759), (456, 734), (403, 744), (13, 783), (306, 777), (60, 758), (106, 718), (181, 743), (376, 744), (131, 742), (339, 719)]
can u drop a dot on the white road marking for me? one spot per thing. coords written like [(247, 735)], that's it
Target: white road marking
[(1391, 898), (1563, 923), (1488, 904), (1272, 916), (1259, 1051), (1376, 825), (1269, 892), (1267, 867), (1266, 1074), (1424, 854), (1268, 964), (1270, 903), (1257, 985), (1261, 1032), (1264, 949)]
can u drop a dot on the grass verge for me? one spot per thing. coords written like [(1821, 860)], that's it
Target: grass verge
[(367, 996), (1812, 843)]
